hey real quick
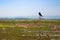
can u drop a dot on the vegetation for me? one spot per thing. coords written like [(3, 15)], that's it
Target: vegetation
[(29, 29)]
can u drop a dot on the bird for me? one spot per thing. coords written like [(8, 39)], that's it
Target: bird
[(40, 14)]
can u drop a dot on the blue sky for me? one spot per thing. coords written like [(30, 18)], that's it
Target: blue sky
[(30, 8)]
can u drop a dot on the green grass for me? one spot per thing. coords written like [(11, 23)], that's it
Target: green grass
[(12, 31)]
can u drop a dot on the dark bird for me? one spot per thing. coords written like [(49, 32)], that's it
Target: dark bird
[(40, 14)]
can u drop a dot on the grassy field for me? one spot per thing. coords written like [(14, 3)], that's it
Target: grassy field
[(29, 29)]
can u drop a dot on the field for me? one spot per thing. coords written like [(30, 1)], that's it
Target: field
[(29, 29)]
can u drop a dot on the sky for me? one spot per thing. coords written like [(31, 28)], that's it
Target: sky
[(29, 8)]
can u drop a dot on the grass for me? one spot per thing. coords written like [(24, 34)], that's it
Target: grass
[(9, 29)]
